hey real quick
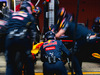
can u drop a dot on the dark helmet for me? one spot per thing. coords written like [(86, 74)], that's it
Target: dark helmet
[(96, 25), (49, 35), (61, 13), (26, 4), (37, 11), (97, 21)]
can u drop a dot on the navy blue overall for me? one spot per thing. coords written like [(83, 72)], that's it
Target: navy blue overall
[(82, 44), (53, 48), (19, 21)]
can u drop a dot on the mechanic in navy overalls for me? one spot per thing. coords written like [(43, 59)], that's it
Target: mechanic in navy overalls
[(20, 37), (82, 34), (51, 55)]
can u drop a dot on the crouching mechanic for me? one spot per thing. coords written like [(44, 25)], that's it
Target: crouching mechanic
[(51, 55), (21, 34)]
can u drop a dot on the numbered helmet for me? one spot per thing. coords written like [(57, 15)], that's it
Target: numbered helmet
[(96, 25), (28, 6), (49, 35), (61, 13)]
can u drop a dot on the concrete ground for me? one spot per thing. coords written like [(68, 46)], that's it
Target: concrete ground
[(88, 68)]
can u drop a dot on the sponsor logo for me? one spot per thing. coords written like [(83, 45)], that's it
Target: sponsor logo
[(50, 48), (51, 43), (96, 55)]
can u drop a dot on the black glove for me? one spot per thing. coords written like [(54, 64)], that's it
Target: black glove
[(91, 37)]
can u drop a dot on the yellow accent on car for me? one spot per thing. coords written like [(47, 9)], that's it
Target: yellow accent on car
[(36, 48), (96, 55)]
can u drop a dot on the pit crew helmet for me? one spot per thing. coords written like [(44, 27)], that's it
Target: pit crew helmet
[(37, 11), (49, 35), (28, 6), (96, 25)]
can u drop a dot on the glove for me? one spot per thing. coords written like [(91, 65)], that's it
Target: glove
[(90, 37)]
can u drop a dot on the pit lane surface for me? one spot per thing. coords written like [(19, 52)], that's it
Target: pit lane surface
[(88, 68)]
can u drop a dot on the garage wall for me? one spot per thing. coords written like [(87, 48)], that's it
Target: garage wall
[(89, 9)]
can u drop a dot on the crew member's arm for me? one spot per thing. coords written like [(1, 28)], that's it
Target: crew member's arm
[(64, 26), (60, 33), (33, 30)]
